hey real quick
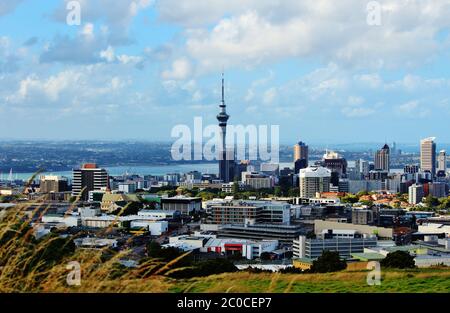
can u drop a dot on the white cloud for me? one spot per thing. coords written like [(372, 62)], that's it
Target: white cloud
[(108, 54), (357, 112), (412, 109), (232, 33), (180, 69), (270, 95)]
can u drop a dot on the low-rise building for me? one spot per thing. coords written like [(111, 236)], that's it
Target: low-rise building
[(155, 228), (249, 249), (284, 234), (159, 214), (185, 205), (67, 220), (313, 248)]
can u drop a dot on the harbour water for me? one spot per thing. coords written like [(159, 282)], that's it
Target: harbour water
[(209, 168)]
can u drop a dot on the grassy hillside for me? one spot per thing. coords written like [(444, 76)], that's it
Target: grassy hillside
[(30, 265), (416, 280)]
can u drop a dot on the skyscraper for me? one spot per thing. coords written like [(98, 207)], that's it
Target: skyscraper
[(88, 178), (382, 159), (415, 194), (51, 183), (428, 155), (300, 156), (314, 179), (226, 156), (442, 161)]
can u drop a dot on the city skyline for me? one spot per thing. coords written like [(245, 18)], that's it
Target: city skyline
[(136, 69)]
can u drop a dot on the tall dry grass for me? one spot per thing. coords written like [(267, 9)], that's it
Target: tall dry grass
[(30, 265)]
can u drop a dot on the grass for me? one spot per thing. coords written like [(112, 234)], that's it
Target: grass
[(27, 265), (394, 281)]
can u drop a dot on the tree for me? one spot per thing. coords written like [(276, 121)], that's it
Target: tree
[(205, 268), (235, 187), (131, 208), (350, 199), (431, 201), (311, 235), (294, 192), (265, 256), (154, 250), (398, 259), (277, 191), (329, 261)]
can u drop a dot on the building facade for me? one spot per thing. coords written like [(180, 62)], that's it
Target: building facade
[(428, 155), (313, 248), (88, 178), (313, 180), (382, 159), (415, 194)]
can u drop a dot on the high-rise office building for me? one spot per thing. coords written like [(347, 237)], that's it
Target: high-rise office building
[(428, 155), (411, 169), (51, 183), (314, 179), (226, 156), (442, 161), (334, 162), (88, 178), (415, 194), (361, 168), (382, 159), (301, 153)]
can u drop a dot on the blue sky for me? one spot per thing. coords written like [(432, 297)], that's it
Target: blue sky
[(135, 69)]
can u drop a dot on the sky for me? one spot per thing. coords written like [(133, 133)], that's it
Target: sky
[(325, 71)]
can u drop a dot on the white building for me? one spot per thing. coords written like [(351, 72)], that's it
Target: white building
[(67, 220), (158, 214), (442, 161), (127, 187), (435, 228), (415, 194), (313, 180), (156, 228), (249, 249)]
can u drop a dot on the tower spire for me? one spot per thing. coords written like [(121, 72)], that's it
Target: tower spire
[(223, 88)]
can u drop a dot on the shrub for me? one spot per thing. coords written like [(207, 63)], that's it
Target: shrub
[(329, 261), (398, 259)]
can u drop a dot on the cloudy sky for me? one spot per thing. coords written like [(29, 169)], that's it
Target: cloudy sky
[(135, 69)]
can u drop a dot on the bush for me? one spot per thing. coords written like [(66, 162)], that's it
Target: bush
[(291, 270), (329, 261), (398, 259), (154, 250), (205, 268)]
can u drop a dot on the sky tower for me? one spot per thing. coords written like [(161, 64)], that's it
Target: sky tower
[(226, 168)]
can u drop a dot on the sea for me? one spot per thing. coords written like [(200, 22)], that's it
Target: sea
[(206, 168)]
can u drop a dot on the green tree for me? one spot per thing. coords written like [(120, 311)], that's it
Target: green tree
[(205, 268), (431, 201), (350, 199), (311, 235), (235, 187), (131, 208), (277, 191), (398, 259), (294, 192), (329, 261)]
